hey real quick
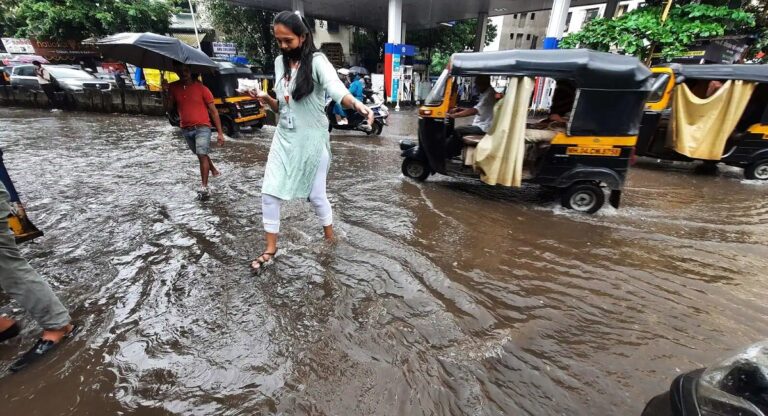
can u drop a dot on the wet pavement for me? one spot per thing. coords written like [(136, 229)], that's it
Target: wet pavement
[(446, 297)]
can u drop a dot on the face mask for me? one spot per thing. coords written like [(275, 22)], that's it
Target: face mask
[(293, 54)]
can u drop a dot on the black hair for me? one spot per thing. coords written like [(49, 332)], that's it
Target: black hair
[(36, 63), (299, 26)]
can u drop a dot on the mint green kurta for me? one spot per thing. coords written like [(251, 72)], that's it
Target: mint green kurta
[(295, 153)]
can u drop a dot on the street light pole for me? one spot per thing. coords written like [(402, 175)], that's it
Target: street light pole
[(194, 23)]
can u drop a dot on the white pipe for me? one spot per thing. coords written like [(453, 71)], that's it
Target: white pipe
[(194, 23)]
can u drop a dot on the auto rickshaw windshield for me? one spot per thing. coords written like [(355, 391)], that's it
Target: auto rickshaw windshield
[(435, 97)]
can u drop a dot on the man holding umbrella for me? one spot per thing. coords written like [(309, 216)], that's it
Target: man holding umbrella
[(194, 102), (193, 99)]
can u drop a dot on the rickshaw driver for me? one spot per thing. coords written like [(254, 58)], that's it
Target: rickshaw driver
[(483, 111)]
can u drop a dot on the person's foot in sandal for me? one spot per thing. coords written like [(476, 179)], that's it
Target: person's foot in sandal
[(264, 260), (50, 339)]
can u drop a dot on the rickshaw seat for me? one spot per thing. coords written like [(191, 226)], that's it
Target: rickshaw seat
[(471, 140)]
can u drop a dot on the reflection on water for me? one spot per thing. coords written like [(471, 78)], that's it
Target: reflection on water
[(444, 297)]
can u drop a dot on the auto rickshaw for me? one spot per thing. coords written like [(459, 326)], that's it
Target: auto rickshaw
[(590, 153), (235, 110), (709, 113), (18, 221)]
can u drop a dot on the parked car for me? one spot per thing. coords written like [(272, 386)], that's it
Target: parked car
[(65, 77)]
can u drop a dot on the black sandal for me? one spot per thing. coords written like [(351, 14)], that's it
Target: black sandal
[(12, 331), (40, 349), (262, 261)]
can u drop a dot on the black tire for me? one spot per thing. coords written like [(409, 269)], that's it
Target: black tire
[(757, 170), (378, 127), (415, 169), (230, 127), (173, 118), (583, 197)]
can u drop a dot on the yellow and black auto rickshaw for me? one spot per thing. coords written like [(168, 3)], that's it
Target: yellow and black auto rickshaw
[(709, 113), (235, 110), (589, 153)]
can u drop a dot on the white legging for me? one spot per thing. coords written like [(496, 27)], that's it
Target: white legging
[(270, 205)]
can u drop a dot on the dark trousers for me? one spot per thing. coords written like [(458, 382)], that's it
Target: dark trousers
[(49, 89), (469, 131)]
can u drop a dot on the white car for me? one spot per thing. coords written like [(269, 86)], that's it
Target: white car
[(67, 78)]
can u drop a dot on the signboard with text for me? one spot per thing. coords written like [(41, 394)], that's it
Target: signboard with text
[(17, 45), (224, 49), (394, 57), (70, 50)]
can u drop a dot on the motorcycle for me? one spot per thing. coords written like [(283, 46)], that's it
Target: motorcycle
[(735, 386), (356, 121)]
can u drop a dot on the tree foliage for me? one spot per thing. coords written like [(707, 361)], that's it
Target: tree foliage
[(250, 28), (369, 45), (760, 10), (80, 19), (637, 32), (441, 42)]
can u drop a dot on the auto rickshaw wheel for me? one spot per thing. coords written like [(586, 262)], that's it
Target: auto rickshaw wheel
[(230, 127), (757, 170), (586, 197), (415, 169)]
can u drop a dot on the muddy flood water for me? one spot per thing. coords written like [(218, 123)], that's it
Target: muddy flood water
[(441, 298)]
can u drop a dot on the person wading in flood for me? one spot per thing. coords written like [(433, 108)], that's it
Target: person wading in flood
[(194, 102), (300, 154), (20, 281), (44, 79)]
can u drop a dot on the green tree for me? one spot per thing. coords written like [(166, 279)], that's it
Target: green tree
[(641, 30), (250, 28), (369, 45), (441, 42), (80, 19), (760, 10)]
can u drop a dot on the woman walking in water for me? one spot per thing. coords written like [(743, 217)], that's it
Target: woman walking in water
[(299, 156)]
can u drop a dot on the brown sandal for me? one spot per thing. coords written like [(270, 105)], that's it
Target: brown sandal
[(263, 262)]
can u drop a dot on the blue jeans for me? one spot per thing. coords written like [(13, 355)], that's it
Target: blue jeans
[(198, 139), (5, 179), (339, 110)]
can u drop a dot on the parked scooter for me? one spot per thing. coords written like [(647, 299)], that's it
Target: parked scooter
[(735, 386), (357, 122)]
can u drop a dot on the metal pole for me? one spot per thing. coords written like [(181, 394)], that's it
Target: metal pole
[(194, 23)]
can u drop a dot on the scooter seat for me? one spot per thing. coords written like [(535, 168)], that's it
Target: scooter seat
[(471, 140)]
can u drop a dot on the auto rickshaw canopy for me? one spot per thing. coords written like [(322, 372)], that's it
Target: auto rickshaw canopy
[(743, 72), (587, 68)]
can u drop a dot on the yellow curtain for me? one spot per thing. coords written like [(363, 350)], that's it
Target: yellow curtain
[(153, 78), (499, 155), (700, 127)]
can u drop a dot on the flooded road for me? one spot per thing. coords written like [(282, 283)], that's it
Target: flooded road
[(441, 298)]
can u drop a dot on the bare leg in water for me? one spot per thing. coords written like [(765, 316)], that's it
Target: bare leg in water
[(206, 167), (54, 335)]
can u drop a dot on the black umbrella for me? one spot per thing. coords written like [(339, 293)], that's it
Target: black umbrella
[(149, 50)]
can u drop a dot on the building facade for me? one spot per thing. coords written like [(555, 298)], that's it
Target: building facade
[(527, 30)]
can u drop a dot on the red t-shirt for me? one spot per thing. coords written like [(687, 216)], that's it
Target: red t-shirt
[(192, 102)]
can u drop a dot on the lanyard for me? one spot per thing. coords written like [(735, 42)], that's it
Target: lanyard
[(287, 83)]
